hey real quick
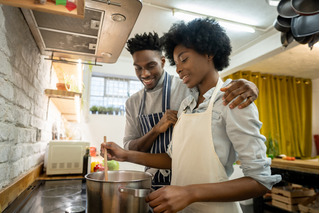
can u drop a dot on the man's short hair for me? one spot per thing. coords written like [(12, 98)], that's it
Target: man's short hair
[(144, 41)]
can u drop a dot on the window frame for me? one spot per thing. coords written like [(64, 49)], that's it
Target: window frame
[(105, 95)]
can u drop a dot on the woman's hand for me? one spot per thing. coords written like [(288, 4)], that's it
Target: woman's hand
[(114, 151), (169, 199), (240, 89)]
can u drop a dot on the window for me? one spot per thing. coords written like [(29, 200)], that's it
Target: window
[(112, 91)]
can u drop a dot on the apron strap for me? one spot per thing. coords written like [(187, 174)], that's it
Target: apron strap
[(166, 92), (141, 108), (214, 94)]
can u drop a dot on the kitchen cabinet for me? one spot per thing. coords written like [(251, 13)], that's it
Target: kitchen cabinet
[(48, 7), (68, 103)]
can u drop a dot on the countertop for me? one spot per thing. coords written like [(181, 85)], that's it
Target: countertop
[(306, 166)]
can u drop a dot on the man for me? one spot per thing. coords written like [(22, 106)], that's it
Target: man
[(152, 112)]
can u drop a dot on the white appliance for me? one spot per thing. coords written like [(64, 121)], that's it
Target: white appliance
[(65, 157)]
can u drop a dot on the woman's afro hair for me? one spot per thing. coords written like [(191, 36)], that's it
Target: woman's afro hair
[(205, 36), (144, 41)]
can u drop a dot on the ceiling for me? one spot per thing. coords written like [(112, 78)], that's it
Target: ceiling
[(296, 60)]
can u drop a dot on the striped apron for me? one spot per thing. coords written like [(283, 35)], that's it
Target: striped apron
[(147, 122)]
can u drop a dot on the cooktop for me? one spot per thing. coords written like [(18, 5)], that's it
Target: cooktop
[(54, 196)]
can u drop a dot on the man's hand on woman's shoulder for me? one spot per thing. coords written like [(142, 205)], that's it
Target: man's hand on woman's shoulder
[(240, 90)]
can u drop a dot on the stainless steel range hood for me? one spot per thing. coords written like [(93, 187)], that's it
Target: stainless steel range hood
[(99, 37)]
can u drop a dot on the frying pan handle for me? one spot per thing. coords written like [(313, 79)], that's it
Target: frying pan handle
[(135, 192)]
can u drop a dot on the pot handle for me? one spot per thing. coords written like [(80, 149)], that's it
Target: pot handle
[(135, 192)]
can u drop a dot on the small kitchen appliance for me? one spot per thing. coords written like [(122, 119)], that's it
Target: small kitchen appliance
[(65, 157)]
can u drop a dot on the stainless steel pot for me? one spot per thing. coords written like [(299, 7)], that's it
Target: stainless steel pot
[(124, 192)]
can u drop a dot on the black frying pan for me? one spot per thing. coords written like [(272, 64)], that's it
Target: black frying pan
[(282, 24), (302, 26), (305, 7), (285, 10)]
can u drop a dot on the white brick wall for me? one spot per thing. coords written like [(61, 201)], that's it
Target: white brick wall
[(24, 74), (6, 89), (4, 152)]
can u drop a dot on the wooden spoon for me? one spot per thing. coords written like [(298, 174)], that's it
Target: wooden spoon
[(105, 161)]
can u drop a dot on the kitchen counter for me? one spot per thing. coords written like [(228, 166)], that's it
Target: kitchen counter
[(54, 196), (303, 172), (305, 166), (43, 176), (23, 185)]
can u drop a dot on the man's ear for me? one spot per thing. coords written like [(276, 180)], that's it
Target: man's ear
[(163, 61)]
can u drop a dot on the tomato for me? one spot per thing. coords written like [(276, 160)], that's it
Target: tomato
[(98, 167)]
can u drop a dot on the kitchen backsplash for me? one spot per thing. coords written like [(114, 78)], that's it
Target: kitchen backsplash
[(25, 127)]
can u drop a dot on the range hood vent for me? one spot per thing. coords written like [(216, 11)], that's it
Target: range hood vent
[(99, 37)]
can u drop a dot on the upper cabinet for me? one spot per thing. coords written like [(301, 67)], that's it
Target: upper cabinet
[(48, 7)]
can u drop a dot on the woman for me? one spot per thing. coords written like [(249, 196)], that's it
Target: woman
[(207, 137)]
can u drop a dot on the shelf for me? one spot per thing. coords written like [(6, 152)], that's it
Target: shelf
[(48, 7), (68, 103)]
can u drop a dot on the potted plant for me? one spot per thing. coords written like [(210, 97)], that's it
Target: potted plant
[(117, 110), (94, 109), (272, 147), (109, 110), (102, 110)]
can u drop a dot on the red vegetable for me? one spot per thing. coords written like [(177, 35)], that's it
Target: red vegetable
[(98, 167), (289, 158)]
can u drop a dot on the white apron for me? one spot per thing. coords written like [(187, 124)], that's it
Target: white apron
[(194, 160)]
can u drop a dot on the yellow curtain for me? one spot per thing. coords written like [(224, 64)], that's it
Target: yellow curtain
[(285, 106)]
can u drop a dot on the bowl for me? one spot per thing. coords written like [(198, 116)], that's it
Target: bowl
[(62, 86)]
